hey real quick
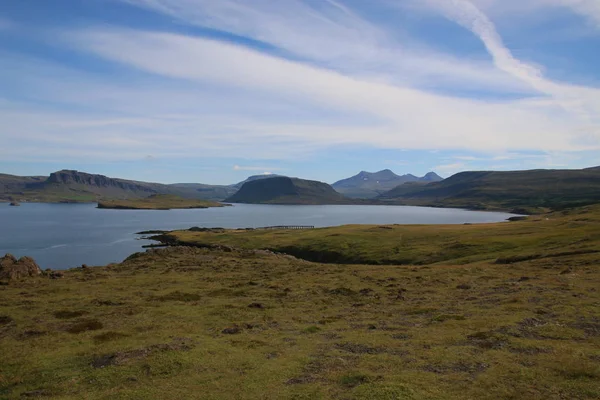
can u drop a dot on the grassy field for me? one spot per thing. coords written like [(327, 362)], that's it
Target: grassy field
[(489, 321), (542, 236), (158, 202)]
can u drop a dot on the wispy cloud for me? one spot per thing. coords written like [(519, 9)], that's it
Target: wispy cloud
[(252, 168), (324, 77), (572, 98), (589, 9), (449, 169), (332, 35)]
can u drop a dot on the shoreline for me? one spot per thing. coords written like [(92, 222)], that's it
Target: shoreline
[(516, 211)]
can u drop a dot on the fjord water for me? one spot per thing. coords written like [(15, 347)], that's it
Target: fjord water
[(61, 236)]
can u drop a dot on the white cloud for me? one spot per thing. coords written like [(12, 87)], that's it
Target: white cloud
[(197, 97), (465, 13), (331, 34), (403, 114)]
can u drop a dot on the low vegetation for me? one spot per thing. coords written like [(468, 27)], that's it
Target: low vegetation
[(158, 202), (225, 323), (552, 235)]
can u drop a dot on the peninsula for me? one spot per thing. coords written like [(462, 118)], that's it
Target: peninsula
[(159, 202)]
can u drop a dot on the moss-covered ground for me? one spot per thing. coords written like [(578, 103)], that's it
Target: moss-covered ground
[(542, 236), (194, 323)]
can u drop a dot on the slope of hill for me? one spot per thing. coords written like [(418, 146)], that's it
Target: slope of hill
[(201, 191), (528, 190), (284, 190), (367, 185)]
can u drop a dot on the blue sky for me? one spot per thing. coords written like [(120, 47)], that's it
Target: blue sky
[(215, 90)]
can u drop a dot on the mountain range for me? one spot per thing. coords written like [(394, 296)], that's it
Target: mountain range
[(521, 191), (368, 185), (76, 186)]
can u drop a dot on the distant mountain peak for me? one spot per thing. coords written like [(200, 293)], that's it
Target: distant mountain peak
[(371, 184), (432, 177)]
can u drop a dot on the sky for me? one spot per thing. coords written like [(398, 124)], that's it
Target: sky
[(213, 91)]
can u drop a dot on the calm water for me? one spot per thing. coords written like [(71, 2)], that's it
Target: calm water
[(62, 236)]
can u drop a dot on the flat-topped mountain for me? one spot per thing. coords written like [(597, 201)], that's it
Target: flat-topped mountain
[(238, 185), (505, 189), (366, 185), (284, 190)]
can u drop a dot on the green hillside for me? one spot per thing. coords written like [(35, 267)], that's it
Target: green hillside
[(518, 322), (532, 190)]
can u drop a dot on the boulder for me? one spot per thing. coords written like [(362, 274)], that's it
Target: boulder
[(11, 268)]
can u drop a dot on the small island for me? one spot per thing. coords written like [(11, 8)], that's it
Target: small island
[(158, 202), (15, 204)]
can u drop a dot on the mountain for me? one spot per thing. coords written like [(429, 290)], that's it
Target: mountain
[(284, 190), (238, 185), (76, 186), (367, 185), (202, 191), (431, 177), (533, 189)]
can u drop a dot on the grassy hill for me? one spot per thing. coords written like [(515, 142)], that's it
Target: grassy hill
[(284, 190), (158, 202), (193, 323), (368, 185), (532, 190), (539, 237)]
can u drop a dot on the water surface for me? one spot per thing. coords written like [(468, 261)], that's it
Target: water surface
[(62, 236)]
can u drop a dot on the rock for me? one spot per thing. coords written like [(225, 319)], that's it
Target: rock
[(84, 266), (15, 203), (11, 268), (56, 275), (569, 270), (35, 393), (231, 330)]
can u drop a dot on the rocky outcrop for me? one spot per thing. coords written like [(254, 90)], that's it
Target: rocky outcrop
[(11, 268), (14, 203), (69, 177)]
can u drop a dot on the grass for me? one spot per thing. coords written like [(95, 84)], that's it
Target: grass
[(554, 235), (158, 202), (203, 323)]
